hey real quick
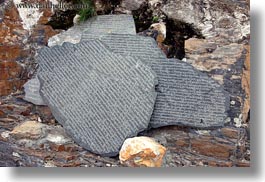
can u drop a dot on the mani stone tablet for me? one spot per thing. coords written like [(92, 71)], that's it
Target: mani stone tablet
[(95, 27), (99, 97), (106, 24), (185, 95)]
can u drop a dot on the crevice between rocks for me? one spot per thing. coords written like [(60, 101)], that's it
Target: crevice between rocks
[(177, 31)]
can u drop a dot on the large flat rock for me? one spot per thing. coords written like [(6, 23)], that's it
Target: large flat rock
[(185, 95), (100, 99), (94, 27)]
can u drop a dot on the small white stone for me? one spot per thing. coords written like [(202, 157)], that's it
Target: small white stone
[(49, 164), (184, 60), (238, 122), (203, 132), (15, 154), (58, 139), (39, 120), (5, 134), (76, 19), (233, 102), (228, 120)]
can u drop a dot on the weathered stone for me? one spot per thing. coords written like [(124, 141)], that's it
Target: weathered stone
[(6, 159), (113, 101), (32, 92), (142, 151), (246, 86), (188, 147), (157, 30), (28, 130), (22, 31), (177, 140), (102, 6), (206, 146), (132, 4), (225, 64), (95, 27), (58, 136), (230, 132), (199, 46), (185, 95), (225, 18)]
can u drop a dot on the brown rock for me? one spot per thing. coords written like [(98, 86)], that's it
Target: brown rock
[(19, 44), (142, 151), (28, 130), (57, 148), (231, 132), (246, 85), (42, 33), (199, 46), (220, 164), (208, 147), (65, 156), (102, 6), (2, 114), (243, 164)]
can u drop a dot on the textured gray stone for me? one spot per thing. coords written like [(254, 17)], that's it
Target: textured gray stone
[(6, 158), (185, 95), (96, 26), (32, 92), (106, 24), (133, 45), (99, 97)]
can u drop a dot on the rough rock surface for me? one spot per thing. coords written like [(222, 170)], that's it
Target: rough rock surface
[(185, 96), (56, 149), (20, 35), (225, 64), (224, 53), (114, 100), (132, 4), (6, 159), (96, 26), (28, 130), (212, 18), (142, 152)]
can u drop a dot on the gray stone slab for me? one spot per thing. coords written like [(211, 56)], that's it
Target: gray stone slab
[(106, 24), (185, 95), (133, 45), (100, 99), (95, 27), (32, 92)]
